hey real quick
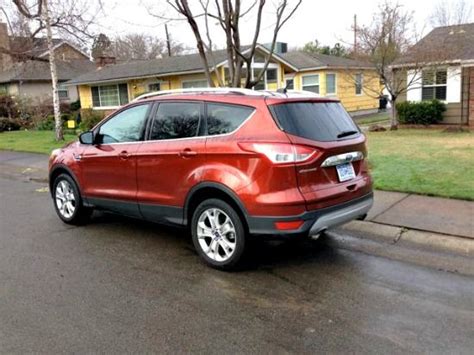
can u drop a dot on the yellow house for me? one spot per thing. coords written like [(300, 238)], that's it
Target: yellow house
[(109, 87)]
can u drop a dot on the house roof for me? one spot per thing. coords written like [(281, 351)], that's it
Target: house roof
[(37, 47), (189, 63), (40, 71), (33, 46), (306, 61), (443, 44)]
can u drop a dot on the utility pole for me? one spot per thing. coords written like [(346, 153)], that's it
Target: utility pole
[(355, 34), (168, 42)]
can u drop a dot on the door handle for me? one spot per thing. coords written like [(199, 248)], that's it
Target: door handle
[(124, 155), (187, 153)]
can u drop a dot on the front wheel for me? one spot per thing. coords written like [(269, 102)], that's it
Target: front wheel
[(218, 234), (68, 201)]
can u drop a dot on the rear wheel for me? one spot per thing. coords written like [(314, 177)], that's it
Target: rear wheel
[(218, 234), (68, 201)]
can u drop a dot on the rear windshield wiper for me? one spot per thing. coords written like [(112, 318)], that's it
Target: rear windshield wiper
[(346, 133)]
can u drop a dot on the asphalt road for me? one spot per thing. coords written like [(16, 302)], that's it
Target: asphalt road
[(119, 285)]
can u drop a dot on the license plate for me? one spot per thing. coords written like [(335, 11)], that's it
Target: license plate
[(345, 172)]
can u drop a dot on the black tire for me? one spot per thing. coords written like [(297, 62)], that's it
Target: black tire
[(81, 213), (239, 236)]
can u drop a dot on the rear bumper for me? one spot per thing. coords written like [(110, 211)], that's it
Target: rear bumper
[(314, 222)]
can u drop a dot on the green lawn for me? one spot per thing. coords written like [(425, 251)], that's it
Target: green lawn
[(32, 141), (410, 160), (425, 162), (371, 119)]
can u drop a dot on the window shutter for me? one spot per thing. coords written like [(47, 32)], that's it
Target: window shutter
[(454, 84), (123, 94), (95, 96), (414, 91)]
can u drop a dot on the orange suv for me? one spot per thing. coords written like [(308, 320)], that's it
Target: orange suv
[(226, 163)]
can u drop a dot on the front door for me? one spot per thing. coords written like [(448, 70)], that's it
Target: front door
[(169, 163), (109, 166)]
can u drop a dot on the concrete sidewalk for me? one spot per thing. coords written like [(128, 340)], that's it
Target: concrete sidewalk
[(431, 214)]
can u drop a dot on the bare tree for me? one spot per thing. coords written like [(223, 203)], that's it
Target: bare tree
[(451, 13), (228, 14), (381, 45), (142, 46), (43, 19)]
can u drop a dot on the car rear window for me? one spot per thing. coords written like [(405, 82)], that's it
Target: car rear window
[(319, 121)]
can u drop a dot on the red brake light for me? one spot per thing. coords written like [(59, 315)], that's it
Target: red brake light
[(280, 153)]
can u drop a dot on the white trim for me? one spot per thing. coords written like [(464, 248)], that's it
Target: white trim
[(118, 96), (62, 43), (264, 49), (453, 84)]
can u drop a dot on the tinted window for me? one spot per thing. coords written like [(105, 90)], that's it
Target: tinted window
[(176, 120), (317, 121), (126, 126), (225, 118)]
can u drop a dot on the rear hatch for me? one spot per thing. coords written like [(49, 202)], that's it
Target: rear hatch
[(338, 171)]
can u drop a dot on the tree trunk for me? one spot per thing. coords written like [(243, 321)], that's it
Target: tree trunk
[(394, 120), (54, 75)]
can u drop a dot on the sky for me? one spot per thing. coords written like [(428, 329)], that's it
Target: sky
[(328, 21)]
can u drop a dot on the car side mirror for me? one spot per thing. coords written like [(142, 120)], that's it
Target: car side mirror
[(86, 137)]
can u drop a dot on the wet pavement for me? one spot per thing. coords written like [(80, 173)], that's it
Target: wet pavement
[(119, 285)]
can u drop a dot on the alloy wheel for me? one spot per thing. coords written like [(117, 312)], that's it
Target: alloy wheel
[(216, 234), (65, 199)]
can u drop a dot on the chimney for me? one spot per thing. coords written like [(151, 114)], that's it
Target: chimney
[(103, 60), (5, 59)]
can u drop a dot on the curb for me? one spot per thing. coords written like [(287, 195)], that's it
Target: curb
[(410, 238)]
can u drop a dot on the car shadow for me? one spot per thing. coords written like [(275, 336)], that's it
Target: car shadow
[(262, 253)]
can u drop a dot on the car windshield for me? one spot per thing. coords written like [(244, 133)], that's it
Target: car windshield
[(319, 121)]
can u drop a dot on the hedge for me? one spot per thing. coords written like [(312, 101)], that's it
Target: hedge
[(424, 112)]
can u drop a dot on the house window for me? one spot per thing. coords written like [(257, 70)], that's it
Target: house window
[(330, 84), (154, 87), (109, 95), (434, 83), (272, 75), (311, 83), (190, 84), (290, 84), (63, 92), (359, 79)]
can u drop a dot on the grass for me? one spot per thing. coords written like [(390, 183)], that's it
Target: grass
[(32, 141), (427, 162), (371, 119)]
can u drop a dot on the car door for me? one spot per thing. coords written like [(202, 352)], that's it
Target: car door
[(169, 163), (109, 165)]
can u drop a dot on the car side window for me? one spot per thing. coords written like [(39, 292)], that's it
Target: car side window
[(226, 118), (175, 120), (126, 126)]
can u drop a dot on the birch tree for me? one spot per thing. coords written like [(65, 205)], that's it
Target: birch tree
[(45, 18)]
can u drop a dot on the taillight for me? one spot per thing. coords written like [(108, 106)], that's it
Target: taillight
[(280, 153)]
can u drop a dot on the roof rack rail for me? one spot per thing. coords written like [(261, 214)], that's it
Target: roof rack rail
[(238, 91)]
